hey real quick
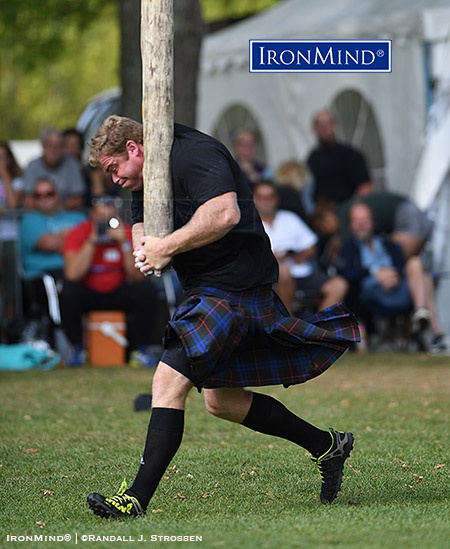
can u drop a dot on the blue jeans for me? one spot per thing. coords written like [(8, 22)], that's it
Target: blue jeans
[(380, 301)]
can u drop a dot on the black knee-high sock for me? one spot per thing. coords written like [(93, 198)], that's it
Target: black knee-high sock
[(164, 435), (267, 415)]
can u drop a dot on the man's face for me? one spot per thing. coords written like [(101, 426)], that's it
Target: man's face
[(103, 212), (126, 170), (46, 199), (361, 223), (245, 146), (325, 127), (72, 146), (266, 200), (53, 150)]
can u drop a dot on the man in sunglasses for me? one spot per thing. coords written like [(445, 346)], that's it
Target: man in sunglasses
[(41, 237)]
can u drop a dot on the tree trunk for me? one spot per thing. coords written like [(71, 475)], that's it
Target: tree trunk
[(130, 59), (189, 31), (157, 113)]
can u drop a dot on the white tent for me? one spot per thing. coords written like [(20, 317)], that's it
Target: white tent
[(383, 114)]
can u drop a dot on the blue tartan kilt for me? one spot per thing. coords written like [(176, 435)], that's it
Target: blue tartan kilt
[(245, 339)]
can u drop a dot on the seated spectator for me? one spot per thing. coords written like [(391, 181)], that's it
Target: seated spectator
[(294, 188), (100, 275), (11, 194), (11, 184), (73, 144), (41, 238), (98, 182), (102, 183), (244, 150), (396, 216), (64, 170), (294, 245), (326, 224), (382, 282)]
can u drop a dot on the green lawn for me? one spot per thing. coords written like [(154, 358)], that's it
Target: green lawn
[(68, 432)]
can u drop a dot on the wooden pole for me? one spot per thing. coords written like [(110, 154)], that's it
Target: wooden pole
[(157, 30)]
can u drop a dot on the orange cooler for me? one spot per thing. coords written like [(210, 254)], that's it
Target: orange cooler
[(106, 342)]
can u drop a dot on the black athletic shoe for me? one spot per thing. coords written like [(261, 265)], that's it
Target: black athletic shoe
[(120, 505), (331, 464)]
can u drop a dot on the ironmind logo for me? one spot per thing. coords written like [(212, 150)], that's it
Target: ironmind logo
[(320, 56)]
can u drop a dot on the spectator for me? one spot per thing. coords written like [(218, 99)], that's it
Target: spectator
[(73, 144), (294, 188), (244, 148), (100, 275), (383, 282), (41, 238), (294, 246), (394, 215), (65, 171), (339, 170), (98, 183), (11, 194), (325, 222), (11, 184), (101, 183)]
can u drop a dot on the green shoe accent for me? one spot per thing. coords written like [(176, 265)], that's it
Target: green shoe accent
[(119, 505)]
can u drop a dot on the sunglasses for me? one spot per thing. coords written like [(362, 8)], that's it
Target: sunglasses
[(48, 194)]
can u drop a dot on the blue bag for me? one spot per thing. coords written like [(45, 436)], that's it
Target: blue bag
[(27, 356)]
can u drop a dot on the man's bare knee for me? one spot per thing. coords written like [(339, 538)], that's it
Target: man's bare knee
[(169, 388), (216, 408), (227, 403)]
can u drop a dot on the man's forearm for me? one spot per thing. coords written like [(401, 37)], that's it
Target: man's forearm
[(77, 264), (211, 222)]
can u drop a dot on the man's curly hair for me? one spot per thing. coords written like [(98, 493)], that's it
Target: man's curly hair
[(111, 137)]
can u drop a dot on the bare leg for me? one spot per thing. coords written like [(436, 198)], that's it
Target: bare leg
[(411, 245), (334, 290), (436, 327), (286, 286), (231, 404), (170, 388), (417, 282), (265, 414)]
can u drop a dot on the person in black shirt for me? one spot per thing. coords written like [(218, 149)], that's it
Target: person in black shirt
[(231, 330), (339, 170)]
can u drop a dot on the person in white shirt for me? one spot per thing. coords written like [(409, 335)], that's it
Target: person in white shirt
[(294, 246)]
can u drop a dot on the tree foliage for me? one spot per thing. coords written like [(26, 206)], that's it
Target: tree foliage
[(35, 31), (56, 54), (214, 10)]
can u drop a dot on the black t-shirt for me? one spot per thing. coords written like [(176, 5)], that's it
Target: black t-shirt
[(338, 171), (202, 168)]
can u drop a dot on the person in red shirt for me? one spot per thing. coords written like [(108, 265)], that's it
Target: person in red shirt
[(99, 274)]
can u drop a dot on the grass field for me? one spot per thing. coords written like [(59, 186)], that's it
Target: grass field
[(68, 432)]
